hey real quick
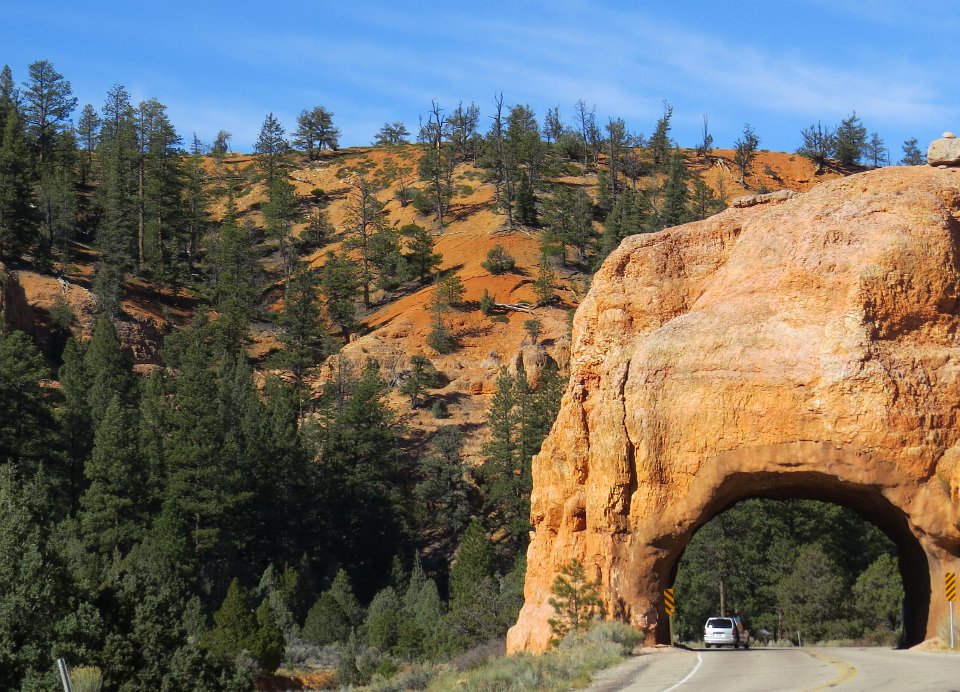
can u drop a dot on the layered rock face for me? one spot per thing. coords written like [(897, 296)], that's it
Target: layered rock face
[(799, 348)]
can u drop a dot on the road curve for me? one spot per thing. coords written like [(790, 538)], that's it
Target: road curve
[(766, 670)]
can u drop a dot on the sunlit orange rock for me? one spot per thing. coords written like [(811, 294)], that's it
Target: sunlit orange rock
[(800, 347)]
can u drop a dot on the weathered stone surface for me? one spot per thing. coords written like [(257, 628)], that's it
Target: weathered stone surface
[(805, 349), (764, 198), (944, 151)]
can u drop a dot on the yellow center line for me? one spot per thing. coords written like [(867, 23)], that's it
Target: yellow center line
[(847, 671)]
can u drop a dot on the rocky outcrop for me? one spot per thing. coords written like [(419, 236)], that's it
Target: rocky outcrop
[(944, 151), (809, 348)]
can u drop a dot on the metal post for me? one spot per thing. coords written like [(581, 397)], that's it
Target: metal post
[(673, 643), (951, 624), (64, 675)]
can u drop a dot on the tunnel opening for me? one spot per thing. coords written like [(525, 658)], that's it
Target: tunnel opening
[(862, 524)]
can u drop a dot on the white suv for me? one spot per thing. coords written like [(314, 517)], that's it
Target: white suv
[(725, 631)]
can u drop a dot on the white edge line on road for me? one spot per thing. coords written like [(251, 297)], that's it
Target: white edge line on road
[(689, 675)]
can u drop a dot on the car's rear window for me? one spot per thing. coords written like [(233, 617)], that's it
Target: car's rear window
[(720, 623)]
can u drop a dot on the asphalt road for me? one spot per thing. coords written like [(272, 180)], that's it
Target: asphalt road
[(766, 670)]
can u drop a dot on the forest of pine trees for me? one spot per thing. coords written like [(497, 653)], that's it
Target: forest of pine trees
[(192, 528)]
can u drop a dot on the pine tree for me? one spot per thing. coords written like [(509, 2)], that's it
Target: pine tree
[(33, 588), (112, 509), (335, 614), (568, 221), (365, 218), (280, 212), (673, 210), (575, 601), (383, 621), (110, 369), (161, 185), (48, 102), (420, 257), (436, 164), (745, 151), (303, 334), (232, 268), (912, 156), (88, 135), (851, 138), (526, 201), (819, 145), (367, 476), (26, 420), (117, 232), (235, 624), (271, 148), (660, 143), (339, 282), (316, 132), (18, 221), (630, 214)]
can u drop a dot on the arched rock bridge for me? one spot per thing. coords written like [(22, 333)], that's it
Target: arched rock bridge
[(806, 347)]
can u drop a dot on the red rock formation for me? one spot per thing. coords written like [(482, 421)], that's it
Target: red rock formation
[(806, 347)]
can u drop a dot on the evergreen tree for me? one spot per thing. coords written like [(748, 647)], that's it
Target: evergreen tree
[(197, 199), (660, 143), (232, 267), (812, 596), (303, 334), (18, 220), (110, 369), (875, 151), (48, 102), (568, 222), (526, 201), (392, 134), (443, 492), (339, 282), (161, 186), (88, 135), (851, 138), (819, 145), (280, 212), (367, 476), (266, 646), (745, 151), (235, 624), (878, 595), (335, 614), (75, 421), (365, 218), (117, 232), (519, 418), (271, 148), (383, 621), (33, 587), (912, 156), (420, 257), (316, 132), (436, 164), (386, 255), (631, 214), (26, 419), (673, 209), (112, 509), (575, 601)]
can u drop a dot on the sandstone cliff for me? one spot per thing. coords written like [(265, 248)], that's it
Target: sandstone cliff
[(804, 347)]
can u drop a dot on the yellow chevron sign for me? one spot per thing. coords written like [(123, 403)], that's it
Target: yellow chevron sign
[(669, 604), (951, 583)]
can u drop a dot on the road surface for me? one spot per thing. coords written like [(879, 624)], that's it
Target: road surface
[(766, 670)]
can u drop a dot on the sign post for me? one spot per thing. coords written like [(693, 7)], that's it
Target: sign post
[(950, 582), (669, 605)]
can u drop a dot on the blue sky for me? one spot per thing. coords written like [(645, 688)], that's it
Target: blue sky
[(778, 65)]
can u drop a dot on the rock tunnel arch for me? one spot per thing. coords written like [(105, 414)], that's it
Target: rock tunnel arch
[(806, 347), (864, 500)]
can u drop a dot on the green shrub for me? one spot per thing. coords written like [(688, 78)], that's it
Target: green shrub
[(499, 261)]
